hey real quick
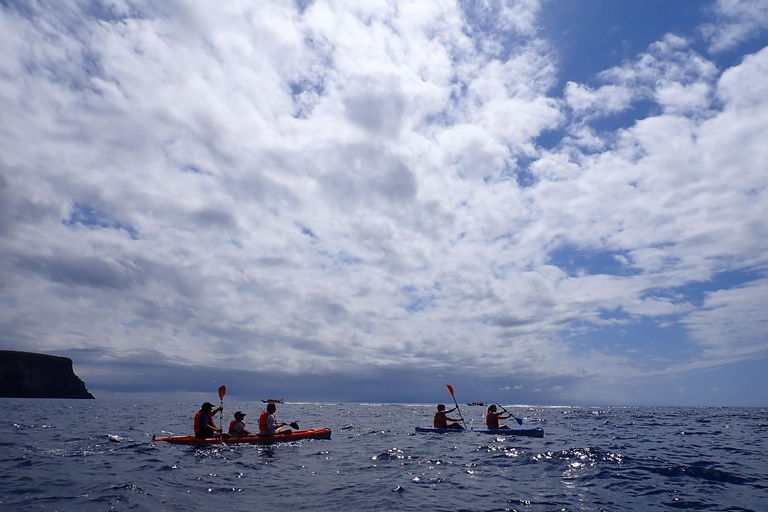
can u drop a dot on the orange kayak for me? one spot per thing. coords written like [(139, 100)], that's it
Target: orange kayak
[(312, 433)]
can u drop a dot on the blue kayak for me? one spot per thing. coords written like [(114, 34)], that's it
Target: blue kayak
[(440, 430), (527, 432)]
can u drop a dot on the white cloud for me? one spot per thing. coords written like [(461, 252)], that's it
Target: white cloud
[(336, 189), (742, 19), (680, 192), (608, 99), (669, 72), (732, 323)]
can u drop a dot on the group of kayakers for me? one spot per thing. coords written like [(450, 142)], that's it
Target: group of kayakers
[(206, 428), (492, 417)]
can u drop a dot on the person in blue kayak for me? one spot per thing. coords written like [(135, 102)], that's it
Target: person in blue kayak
[(204, 425), (442, 418), (237, 426), (492, 418), (268, 424)]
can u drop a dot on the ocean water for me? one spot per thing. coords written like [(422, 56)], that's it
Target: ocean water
[(94, 455)]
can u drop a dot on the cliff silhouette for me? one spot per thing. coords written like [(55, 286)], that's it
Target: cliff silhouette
[(29, 375)]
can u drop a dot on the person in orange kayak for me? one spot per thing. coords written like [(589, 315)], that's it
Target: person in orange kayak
[(442, 418), (204, 425), (492, 418), (237, 426), (268, 424)]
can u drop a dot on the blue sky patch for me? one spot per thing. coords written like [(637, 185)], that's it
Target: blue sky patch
[(88, 216), (596, 35), (695, 293), (574, 261)]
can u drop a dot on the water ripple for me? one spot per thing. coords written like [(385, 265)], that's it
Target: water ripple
[(602, 458)]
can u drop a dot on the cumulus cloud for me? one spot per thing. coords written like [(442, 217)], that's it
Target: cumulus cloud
[(669, 73), (339, 186)]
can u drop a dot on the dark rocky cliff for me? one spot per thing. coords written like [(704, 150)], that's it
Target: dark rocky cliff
[(28, 375)]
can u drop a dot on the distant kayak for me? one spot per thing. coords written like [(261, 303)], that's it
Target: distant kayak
[(273, 401), (313, 433), (527, 432), (476, 403)]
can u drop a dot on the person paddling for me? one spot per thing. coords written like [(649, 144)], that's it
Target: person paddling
[(268, 424), (442, 418), (204, 425), (492, 418), (237, 426)]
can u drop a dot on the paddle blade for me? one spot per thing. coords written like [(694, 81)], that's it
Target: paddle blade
[(294, 425), (222, 392), (450, 388), (519, 421)]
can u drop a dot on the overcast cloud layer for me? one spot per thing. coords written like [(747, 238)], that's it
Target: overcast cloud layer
[(344, 188)]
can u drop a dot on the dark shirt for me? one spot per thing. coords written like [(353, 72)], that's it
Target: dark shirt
[(206, 426)]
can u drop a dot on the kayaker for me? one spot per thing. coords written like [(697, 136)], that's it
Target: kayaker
[(237, 426), (268, 424), (442, 418), (492, 418), (204, 425)]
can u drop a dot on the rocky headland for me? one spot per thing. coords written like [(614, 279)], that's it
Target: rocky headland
[(29, 375)]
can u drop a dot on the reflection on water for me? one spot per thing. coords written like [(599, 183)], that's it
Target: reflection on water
[(98, 455)]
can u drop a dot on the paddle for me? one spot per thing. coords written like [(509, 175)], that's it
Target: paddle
[(450, 388), (518, 420), (222, 392), (293, 425)]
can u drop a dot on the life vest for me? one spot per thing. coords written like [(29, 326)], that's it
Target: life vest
[(263, 421), (199, 422), (440, 421), (492, 420), (232, 426)]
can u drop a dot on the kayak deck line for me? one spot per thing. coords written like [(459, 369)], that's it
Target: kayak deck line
[(313, 433), (525, 432)]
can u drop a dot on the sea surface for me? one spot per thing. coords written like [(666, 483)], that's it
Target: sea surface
[(94, 455)]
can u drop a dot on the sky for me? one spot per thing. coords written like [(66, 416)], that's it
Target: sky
[(537, 202)]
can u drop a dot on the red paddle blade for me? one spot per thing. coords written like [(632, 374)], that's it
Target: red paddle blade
[(450, 389), (222, 392)]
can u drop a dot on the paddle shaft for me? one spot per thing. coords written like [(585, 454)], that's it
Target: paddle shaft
[(222, 392), (457, 406), (519, 421)]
